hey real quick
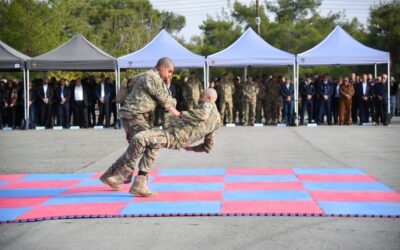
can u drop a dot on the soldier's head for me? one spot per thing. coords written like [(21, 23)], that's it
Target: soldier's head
[(226, 76), (208, 95), (192, 75), (165, 68), (249, 78)]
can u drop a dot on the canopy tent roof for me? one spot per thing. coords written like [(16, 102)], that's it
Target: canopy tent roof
[(339, 48), (75, 54), (163, 45), (11, 59), (250, 50)]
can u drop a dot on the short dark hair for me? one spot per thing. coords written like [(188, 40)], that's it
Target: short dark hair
[(164, 61)]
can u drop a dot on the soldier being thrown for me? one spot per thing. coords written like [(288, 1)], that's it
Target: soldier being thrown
[(190, 127)]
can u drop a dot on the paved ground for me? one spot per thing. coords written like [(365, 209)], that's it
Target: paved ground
[(376, 150)]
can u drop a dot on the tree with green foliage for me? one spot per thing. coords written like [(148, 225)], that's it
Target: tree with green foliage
[(384, 27)]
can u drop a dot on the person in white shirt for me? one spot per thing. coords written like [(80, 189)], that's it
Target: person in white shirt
[(80, 104)]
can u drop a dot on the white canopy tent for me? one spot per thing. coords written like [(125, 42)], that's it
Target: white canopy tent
[(163, 45), (251, 50), (339, 48)]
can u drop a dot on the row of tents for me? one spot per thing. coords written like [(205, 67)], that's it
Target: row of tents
[(78, 54)]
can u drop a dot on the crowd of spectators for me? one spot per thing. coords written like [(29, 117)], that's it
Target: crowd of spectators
[(265, 99), (79, 102)]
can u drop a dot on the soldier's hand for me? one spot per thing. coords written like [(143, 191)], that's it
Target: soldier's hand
[(173, 111)]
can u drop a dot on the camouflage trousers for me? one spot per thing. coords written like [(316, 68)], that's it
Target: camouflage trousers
[(249, 112), (226, 106), (149, 140), (132, 127), (259, 111), (272, 110)]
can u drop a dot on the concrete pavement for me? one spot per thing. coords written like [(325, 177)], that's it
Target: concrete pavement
[(376, 150)]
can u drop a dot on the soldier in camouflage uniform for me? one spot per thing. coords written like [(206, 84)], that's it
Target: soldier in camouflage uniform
[(260, 97), (192, 126), (238, 100), (273, 103), (191, 91), (147, 90), (226, 89), (250, 92)]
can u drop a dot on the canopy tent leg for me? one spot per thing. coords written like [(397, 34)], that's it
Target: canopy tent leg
[(388, 92), (376, 70), (25, 123), (208, 76), (205, 75), (117, 124), (296, 96)]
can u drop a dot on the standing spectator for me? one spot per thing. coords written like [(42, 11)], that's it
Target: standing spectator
[(2, 102), (394, 89), (226, 91), (317, 98), (180, 105), (191, 91), (307, 91), (287, 92), (45, 94), (32, 105), (90, 84), (113, 103), (260, 98), (250, 91), (345, 101), (325, 91), (62, 97), (355, 102), (20, 103), (80, 100), (380, 100), (103, 93), (11, 104), (335, 100), (364, 96), (371, 82), (238, 100)]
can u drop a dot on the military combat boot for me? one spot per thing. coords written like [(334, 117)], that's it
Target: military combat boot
[(139, 187), (114, 177)]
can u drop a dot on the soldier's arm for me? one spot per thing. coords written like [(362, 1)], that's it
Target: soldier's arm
[(160, 92), (195, 116)]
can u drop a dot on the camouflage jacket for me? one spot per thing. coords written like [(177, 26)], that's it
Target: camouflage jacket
[(250, 91), (226, 89), (192, 90), (196, 124), (273, 91), (148, 91)]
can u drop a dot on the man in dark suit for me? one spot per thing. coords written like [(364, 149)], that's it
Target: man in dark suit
[(307, 91), (80, 104), (32, 105), (380, 100), (335, 100), (355, 101), (103, 94), (45, 95), (63, 95), (325, 91), (90, 85), (287, 91), (364, 96)]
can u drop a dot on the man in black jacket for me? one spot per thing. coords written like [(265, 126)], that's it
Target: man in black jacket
[(325, 91), (45, 95), (307, 91), (80, 104), (63, 95), (364, 96), (380, 100)]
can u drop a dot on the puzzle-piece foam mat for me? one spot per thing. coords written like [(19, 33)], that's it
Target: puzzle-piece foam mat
[(200, 192)]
